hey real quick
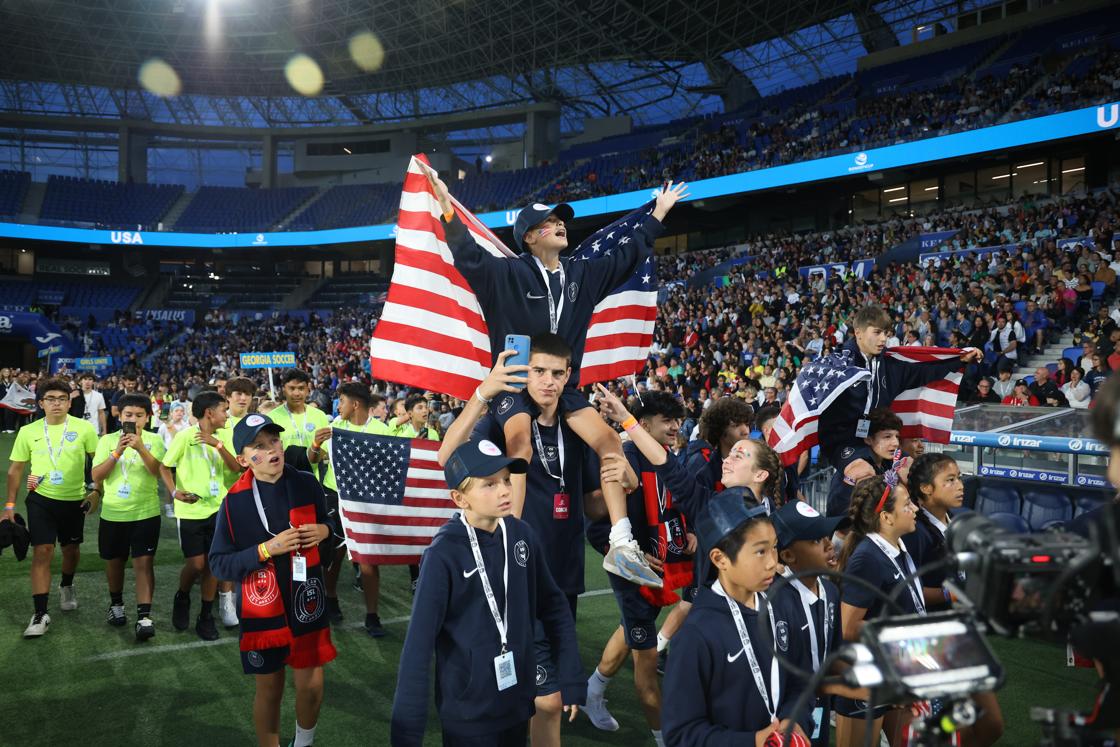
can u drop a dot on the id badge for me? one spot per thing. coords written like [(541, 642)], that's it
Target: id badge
[(215, 488), (818, 717), (561, 505), (505, 671), (863, 427), (299, 568), (124, 490), (56, 477)]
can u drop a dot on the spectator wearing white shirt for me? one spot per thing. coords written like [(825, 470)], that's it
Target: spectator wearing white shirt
[(1077, 391), (95, 405)]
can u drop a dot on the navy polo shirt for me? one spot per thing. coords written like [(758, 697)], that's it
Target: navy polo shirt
[(872, 565)]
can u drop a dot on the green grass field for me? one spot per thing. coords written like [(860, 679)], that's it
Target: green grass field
[(85, 683)]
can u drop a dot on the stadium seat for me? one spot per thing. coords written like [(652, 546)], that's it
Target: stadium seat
[(1021, 308), (1042, 509), (993, 499), (1073, 353), (1011, 522), (1085, 504)]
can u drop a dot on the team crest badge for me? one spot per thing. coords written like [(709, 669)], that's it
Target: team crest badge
[(71, 436), (255, 659), (260, 588), (309, 601), (573, 291), (782, 631), (505, 405), (521, 553), (638, 634), (542, 675), (847, 452)]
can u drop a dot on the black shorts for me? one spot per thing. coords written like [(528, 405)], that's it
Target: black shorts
[(50, 520), (639, 616), (122, 539), (548, 674), (334, 518), (512, 736), (196, 535)]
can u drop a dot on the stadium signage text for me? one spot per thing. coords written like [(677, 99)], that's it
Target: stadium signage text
[(1085, 121), (1036, 443), (268, 360), (1016, 473)]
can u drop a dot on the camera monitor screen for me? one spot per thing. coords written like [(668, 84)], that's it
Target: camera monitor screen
[(940, 656)]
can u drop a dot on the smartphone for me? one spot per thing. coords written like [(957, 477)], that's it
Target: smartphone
[(520, 343), (128, 427)]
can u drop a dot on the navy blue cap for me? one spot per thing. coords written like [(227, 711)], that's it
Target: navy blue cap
[(247, 429), (534, 215), (479, 459), (724, 512), (797, 520)]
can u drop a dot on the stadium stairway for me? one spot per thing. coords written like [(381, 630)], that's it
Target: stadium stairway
[(283, 224), (1052, 353), (305, 290), (33, 201), (176, 209)]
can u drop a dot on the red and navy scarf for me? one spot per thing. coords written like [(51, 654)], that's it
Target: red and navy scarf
[(275, 609), (668, 533)]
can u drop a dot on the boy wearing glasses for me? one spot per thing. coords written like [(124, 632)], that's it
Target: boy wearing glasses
[(58, 447)]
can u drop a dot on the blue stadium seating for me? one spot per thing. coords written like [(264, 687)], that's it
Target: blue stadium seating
[(240, 209), (1011, 522), (350, 205), (1084, 505), (992, 499), (1073, 353), (1042, 510), (107, 204), (74, 297), (13, 190)]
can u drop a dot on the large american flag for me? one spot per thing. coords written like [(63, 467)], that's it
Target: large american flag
[(392, 495), (432, 334), (926, 411)]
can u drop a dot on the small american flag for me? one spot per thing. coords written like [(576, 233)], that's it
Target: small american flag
[(392, 495), (926, 411), (432, 334)]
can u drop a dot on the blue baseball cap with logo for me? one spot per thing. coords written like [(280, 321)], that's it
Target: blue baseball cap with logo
[(480, 458), (724, 512), (534, 215), (247, 429), (797, 520)]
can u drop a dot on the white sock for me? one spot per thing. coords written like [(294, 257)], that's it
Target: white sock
[(304, 737), (597, 684), (662, 643), (621, 532), (225, 594), (657, 737)]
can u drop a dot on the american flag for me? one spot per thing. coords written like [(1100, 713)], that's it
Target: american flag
[(392, 495), (926, 411), (432, 335)]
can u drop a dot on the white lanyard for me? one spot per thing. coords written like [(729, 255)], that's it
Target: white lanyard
[(500, 619), (260, 512), (297, 427), (874, 366), (748, 649), (206, 456), (807, 599), (941, 527), (47, 437), (559, 448), (914, 585), (554, 311), (124, 461)]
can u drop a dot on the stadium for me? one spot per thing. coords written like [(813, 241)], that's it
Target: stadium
[(194, 192)]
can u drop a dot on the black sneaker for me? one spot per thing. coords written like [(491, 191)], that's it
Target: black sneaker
[(145, 629), (115, 616), (334, 611), (206, 628), (373, 626), (412, 586), (662, 660), (181, 611)]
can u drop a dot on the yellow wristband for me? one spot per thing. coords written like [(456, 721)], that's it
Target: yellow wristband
[(262, 551)]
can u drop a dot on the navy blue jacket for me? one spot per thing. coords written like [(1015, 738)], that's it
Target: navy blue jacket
[(837, 426), (450, 616), (514, 297), (840, 492), (788, 608), (705, 462), (709, 700)]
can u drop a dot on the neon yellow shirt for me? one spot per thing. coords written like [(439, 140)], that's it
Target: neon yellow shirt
[(58, 455), (408, 431), (373, 426), (299, 429), (131, 491), (199, 469)]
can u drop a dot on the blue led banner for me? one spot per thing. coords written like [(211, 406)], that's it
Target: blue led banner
[(1029, 443), (999, 137)]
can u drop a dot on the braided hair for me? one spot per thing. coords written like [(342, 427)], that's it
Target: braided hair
[(862, 511)]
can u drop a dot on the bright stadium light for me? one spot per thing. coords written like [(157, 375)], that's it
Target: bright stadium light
[(304, 75), (893, 189), (367, 51), (489, 159), (159, 78)]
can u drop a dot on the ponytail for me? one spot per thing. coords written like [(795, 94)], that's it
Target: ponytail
[(864, 512), (766, 458)]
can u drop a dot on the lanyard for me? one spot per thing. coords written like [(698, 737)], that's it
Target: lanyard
[(124, 461), (206, 456), (260, 513), (500, 620), (914, 585), (748, 649), (554, 311), (807, 600), (559, 448), (874, 366), (62, 444), (297, 427), (941, 527)]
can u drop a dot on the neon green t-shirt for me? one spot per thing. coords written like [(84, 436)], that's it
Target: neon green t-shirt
[(199, 469), (131, 491), (299, 429), (373, 426), (58, 455), (409, 431)]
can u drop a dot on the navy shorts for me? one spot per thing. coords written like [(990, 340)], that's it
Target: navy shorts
[(548, 677), (508, 405), (639, 617)]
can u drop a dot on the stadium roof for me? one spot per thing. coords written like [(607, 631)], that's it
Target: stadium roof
[(651, 59)]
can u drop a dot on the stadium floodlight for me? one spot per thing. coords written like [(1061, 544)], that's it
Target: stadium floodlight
[(893, 189), (1031, 165), (489, 158)]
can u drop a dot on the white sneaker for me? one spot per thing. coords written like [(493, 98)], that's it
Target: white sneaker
[(69, 598), (626, 561), (38, 626), (227, 609), (169, 511), (601, 718)]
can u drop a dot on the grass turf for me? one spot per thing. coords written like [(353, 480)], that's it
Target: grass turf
[(86, 683)]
